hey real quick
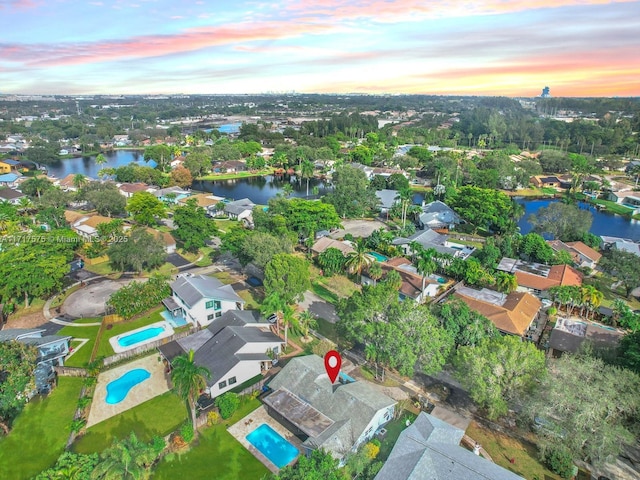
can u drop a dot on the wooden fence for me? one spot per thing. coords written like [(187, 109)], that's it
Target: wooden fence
[(71, 371), (143, 348)]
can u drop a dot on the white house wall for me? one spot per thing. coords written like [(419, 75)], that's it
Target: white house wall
[(381, 417)]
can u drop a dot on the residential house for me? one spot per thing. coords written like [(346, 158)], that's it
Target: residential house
[(177, 162), (171, 194), (631, 201), (569, 335), (322, 244), (8, 165), (438, 215), (166, 238), (68, 183), (10, 195), (204, 200), (545, 182), (582, 254), (386, 199), (429, 449), (85, 225), (512, 313), (618, 243), (240, 210), (201, 299), (411, 280), (51, 352), (129, 189), (121, 140), (9, 180), (429, 238), (234, 348), (618, 193), (335, 418), (537, 278), (230, 166)]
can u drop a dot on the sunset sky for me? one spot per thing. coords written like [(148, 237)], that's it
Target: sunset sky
[(495, 47)]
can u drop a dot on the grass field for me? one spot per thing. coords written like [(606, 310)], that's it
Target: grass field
[(159, 416), (230, 176), (216, 455), (40, 432), (81, 357)]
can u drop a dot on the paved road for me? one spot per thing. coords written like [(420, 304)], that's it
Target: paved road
[(319, 308), (89, 301)]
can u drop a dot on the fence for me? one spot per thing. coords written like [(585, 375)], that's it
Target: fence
[(143, 348), (70, 371)]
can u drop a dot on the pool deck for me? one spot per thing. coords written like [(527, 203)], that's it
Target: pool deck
[(156, 385), (164, 324), (252, 421)]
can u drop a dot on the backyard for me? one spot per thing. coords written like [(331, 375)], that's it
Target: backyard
[(40, 432), (216, 455), (158, 416)]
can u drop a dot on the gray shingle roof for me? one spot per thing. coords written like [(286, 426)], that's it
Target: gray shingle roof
[(351, 406), (387, 197), (193, 289), (239, 206), (429, 450), (15, 333)]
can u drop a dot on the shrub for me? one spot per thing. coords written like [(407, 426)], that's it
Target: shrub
[(375, 441), (551, 311), (559, 461), (213, 418), (227, 403), (78, 424), (158, 444), (186, 432), (371, 450)]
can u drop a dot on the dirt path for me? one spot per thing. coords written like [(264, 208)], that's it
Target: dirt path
[(30, 320)]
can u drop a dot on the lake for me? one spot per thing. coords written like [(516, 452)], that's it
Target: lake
[(260, 189), (87, 165), (603, 223)]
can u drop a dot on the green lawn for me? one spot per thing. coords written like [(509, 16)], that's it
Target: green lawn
[(230, 176), (217, 455), (105, 349), (394, 428), (40, 432), (328, 329), (250, 299), (503, 448), (158, 416), (324, 293), (81, 357), (103, 268)]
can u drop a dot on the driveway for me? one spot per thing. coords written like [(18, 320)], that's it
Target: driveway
[(176, 260), (358, 228), (319, 308), (89, 301)]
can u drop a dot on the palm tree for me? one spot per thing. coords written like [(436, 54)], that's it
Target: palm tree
[(274, 304), (4, 222), (620, 308), (100, 160), (359, 258), (306, 171), (505, 282), (128, 459), (375, 272), (79, 180), (25, 206), (306, 321), (188, 380), (406, 197), (288, 320), (426, 265), (591, 297)]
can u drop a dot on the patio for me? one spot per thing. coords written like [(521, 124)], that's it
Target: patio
[(248, 424), (156, 385)]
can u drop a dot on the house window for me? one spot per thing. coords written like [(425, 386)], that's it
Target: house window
[(222, 384), (215, 304), (210, 317), (218, 314), (232, 380)]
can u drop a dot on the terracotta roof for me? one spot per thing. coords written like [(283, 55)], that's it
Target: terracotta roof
[(166, 237), (558, 275), (72, 217), (203, 199), (96, 220), (514, 316), (133, 187), (67, 181), (586, 250)]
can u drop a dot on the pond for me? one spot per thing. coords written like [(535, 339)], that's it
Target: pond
[(603, 223), (88, 167)]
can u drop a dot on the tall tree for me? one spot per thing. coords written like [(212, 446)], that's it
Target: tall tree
[(288, 276), (306, 171), (426, 265), (127, 459), (181, 177), (486, 208), (194, 228), (590, 407), (467, 326), (189, 379), (499, 370), (624, 266), (145, 208), (17, 363), (141, 251), (564, 221), (105, 198), (359, 258), (350, 195)]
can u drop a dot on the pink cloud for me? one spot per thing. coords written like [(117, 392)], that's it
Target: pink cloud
[(18, 4), (155, 45)]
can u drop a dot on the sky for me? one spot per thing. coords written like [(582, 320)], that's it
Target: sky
[(447, 47)]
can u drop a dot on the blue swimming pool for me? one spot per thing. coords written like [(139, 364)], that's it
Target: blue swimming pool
[(346, 378), (141, 336), (118, 389), (269, 442), (378, 256)]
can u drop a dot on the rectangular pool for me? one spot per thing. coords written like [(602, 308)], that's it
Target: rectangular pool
[(378, 256), (271, 444)]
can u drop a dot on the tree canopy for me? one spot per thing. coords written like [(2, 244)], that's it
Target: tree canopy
[(141, 251), (350, 195), (561, 220), (193, 226), (486, 208), (17, 363), (288, 276), (624, 266), (145, 208)]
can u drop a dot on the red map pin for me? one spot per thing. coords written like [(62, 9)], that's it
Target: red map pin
[(332, 363)]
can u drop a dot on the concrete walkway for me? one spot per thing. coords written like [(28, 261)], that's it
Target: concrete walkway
[(64, 323)]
